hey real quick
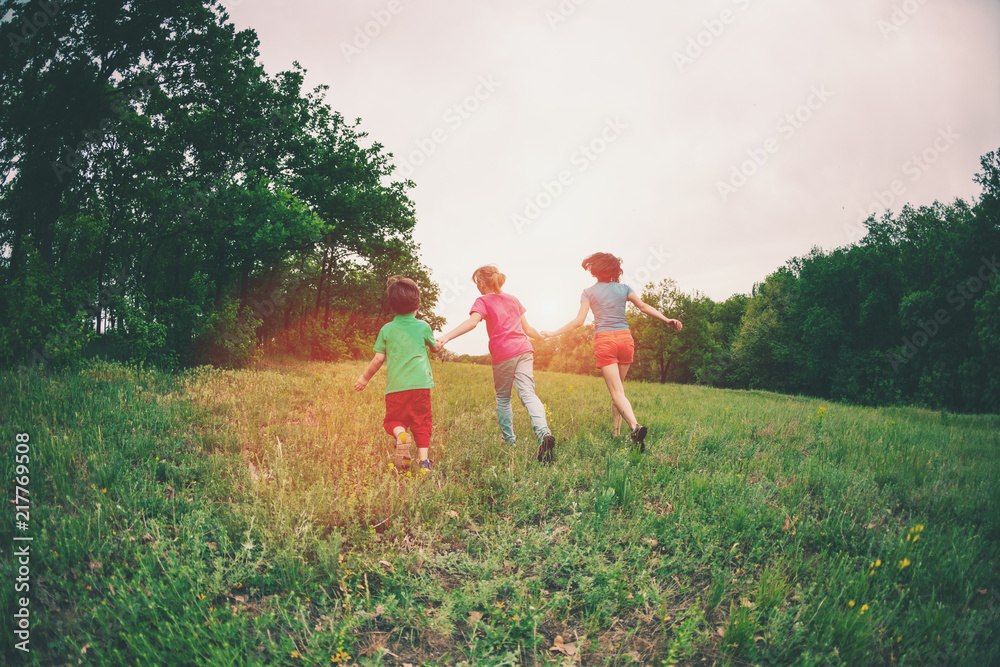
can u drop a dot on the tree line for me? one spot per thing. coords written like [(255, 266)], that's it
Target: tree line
[(163, 199), (909, 314)]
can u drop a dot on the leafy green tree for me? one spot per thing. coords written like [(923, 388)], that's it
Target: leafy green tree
[(572, 352), (980, 373), (726, 317), (667, 355), (655, 346), (157, 181), (764, 350)]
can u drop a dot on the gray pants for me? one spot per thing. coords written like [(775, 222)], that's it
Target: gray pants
[(516, 373)]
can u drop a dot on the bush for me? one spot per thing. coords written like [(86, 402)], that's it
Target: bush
[(230, 338)]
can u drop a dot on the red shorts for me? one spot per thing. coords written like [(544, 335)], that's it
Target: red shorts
[(410, 409), (613, 347)]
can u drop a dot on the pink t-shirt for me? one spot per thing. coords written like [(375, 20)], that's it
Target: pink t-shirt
[(502, 313)]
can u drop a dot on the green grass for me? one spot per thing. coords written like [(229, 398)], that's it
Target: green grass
[(252, 517)]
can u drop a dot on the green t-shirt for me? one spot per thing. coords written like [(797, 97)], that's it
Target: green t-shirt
[(404, 342)]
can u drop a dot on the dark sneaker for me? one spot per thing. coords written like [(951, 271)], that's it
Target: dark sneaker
[(424, 466), (545, 449), (639, 437)]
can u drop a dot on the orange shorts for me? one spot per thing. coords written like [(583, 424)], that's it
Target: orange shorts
[(613, 347)]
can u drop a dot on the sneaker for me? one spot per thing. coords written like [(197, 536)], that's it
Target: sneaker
[(402, 452), (639, 437), (424, 466), (545, 449)]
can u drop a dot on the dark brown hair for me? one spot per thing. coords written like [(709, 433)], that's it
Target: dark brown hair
[(604, 266), (404, 295)]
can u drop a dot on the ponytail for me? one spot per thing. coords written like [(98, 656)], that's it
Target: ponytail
[(489, 278)]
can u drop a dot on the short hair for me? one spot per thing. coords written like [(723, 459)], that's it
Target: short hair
[(604, 266), (489, 278), (404, 295)]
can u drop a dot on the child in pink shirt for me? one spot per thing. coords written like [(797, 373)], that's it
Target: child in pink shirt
[(511, 354)]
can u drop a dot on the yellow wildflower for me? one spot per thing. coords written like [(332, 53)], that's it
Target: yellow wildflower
[(904, 563)]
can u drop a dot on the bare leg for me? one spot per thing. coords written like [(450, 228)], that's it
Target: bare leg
[(616, 415), (402, 460), (613, 379)]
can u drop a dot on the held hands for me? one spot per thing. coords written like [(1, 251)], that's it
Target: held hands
[(545, 334)]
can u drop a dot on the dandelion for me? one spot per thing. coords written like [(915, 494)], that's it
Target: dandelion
[(904, 563), (294, 654), (851, 603), (864, 608)]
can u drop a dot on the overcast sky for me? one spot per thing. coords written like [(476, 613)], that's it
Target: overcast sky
[(707, 142)]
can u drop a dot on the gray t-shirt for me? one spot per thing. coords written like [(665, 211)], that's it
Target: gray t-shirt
[(607, 300)]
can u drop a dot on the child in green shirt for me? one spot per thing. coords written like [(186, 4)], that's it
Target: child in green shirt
[(403, 344)]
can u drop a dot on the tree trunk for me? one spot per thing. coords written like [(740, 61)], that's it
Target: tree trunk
[(323, 271), (664, 368)]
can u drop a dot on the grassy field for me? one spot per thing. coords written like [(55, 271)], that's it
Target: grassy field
[(252, 517)]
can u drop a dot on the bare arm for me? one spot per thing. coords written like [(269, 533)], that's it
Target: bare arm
[(376, 363), (576, 322), (647, 309), (530, 330), (463, 328)]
